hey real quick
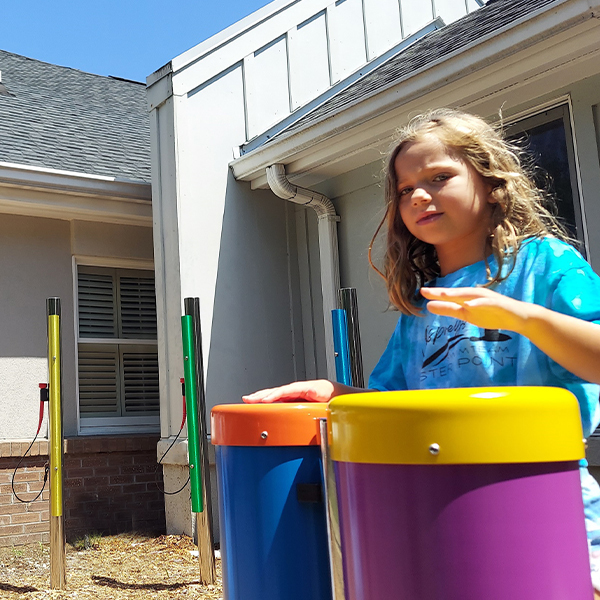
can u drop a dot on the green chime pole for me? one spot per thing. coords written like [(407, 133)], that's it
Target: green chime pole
[(191, 401), (204, 531)]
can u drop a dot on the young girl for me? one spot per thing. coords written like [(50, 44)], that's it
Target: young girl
[(489, 289)]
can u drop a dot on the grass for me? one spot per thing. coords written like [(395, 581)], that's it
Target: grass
[(89, 541)]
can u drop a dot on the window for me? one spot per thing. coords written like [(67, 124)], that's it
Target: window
[(549, 139), (547, 136), (117, 349)]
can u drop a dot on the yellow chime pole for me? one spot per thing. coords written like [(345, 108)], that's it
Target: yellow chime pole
[(58, 578)]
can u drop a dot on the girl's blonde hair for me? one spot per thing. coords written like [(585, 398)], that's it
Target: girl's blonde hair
[(519, 211)]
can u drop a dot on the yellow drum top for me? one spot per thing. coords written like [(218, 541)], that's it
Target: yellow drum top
[(456, 426)]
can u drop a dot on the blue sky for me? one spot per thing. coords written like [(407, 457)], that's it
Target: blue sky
[(124, 38)]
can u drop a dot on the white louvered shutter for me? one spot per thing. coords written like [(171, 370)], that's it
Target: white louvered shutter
[(138, 307), (97, 299), (117, 377), (140, 381), (98, 380)]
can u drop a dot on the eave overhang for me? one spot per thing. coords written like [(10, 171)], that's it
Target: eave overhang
[(41, 192), (551, 38)]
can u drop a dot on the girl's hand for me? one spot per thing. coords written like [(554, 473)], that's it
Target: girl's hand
[(571, 342), (480, 306), (319, 390)]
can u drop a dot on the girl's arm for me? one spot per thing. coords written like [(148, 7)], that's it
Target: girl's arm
[(571, 342), (319, 390)]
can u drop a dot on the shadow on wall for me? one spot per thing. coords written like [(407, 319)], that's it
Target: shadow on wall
[(35, 263), (252, 345)]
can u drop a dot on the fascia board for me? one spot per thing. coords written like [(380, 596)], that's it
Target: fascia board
[(489, 49), (65, 195), (230, 33), (189, 75), (159, 91), (159, 74), (31, 203), (68, 182), (217, 42)]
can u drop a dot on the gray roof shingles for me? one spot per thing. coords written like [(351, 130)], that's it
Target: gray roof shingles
[(443, 42), (61, 118)]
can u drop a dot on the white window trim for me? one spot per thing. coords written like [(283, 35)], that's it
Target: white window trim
[(108, 425), (537, 109), (549, 105), (593, 441)]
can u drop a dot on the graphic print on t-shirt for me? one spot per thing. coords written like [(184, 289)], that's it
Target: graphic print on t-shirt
[(440, 361), (436, 352)]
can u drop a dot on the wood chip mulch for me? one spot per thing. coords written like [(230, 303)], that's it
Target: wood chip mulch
[(112, 567)]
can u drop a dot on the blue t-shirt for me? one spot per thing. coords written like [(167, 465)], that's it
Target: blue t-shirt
[(432, 351)]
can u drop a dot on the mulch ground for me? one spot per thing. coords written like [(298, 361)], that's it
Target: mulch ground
[(113, 567)]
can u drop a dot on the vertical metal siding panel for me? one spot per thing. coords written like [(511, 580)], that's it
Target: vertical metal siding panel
[(166, 262), (415, 14), (211, 122), (309, 63), (267, 87), (383, 26), (450, 10), (346, 37)]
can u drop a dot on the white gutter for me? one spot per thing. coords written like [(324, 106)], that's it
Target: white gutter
[(72, 182), (328, 247)]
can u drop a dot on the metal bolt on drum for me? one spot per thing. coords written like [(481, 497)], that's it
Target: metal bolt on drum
[(434, 449)]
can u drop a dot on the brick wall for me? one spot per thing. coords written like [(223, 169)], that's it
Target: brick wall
[(109, 487), (23, 523)]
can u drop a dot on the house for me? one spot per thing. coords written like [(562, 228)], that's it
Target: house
[(304, 97), (76, 222), (109, 190)]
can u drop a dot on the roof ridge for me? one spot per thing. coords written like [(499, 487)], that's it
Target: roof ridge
[(56, 66)]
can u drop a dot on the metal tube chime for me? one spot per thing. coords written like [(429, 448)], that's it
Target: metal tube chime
[(58, 579), (333, 523), (343, 372), (197, 438), (349, 371), (349, 302)]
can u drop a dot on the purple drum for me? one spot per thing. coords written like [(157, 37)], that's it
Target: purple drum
[(469, 494)]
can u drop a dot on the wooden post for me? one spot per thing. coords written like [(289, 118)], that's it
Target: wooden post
[(58, 578)]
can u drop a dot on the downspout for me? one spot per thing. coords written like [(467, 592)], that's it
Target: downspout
[(328, 247)]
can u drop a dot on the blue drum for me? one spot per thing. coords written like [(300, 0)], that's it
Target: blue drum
[(271, 503)]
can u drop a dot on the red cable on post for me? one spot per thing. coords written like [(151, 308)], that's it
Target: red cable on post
[(43, 398), (182, 381)]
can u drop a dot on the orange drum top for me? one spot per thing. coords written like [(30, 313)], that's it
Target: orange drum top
[(277, 424)]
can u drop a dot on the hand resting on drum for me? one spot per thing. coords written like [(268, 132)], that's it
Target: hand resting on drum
[(316, 390)]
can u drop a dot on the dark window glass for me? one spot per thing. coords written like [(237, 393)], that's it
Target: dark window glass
[(547, 137)]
